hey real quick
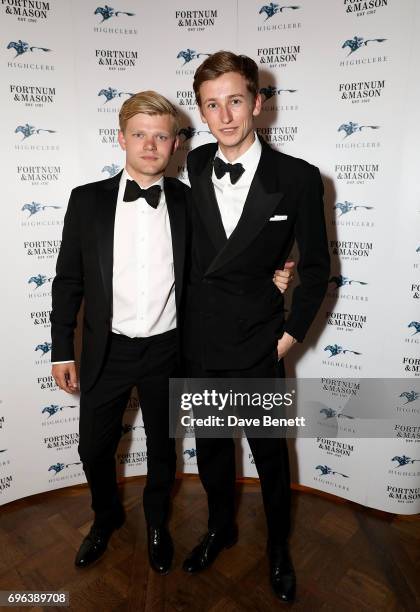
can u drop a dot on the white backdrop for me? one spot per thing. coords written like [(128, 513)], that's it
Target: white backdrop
[(66, 67)]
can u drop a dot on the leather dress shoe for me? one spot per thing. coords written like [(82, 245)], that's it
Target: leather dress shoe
[(95, 543), (203, 555), (160, 549), (282, 574)]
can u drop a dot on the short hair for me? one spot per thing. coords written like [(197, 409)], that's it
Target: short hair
[(150, 103), (222, 62)]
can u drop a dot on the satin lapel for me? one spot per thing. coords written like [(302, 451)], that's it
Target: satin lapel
[(106, 203), (177, 218), (262, 199), (206, 203)]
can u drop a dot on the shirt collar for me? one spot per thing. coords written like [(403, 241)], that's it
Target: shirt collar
[(250, 158), (126, 176)]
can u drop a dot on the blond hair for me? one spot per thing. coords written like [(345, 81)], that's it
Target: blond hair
[(149, 103)]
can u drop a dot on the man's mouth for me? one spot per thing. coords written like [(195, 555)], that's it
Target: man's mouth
[(230, 130)]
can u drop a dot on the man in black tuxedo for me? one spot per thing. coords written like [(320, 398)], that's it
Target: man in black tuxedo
[(249, 204), (123, 251)]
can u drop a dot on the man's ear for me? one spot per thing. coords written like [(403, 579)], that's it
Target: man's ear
[(257, 105), (121, 140), (175, 145)]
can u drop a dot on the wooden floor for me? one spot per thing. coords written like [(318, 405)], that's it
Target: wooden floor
[(347, 557)]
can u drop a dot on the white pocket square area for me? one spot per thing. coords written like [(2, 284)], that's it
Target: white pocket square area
[(278, 218)]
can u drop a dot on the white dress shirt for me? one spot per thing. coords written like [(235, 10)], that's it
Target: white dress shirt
[(143, 296), (231, 198), (143, 280)]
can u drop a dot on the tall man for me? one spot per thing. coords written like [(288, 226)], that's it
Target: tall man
[(123, 251), (249, 205)]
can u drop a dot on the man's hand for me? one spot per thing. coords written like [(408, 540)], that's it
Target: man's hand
[(285, 344), (65, 376), (283, 278)]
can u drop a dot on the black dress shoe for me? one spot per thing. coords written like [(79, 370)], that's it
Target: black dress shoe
[(203, 555), (282, 574), (160, 549), (95, 543)]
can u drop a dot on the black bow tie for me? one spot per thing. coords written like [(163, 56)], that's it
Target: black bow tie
[(221, 167), (133, 192)]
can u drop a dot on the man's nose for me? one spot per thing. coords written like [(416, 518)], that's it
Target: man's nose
[(149, 143), (226, 114)]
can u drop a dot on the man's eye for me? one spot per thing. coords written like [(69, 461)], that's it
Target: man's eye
[(138, 135), (236, 101), (162, 137), (211, 105)]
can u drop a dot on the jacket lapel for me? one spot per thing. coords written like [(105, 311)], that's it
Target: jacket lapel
[(207, 205), (106, 203), (175, 201), (263, 197)]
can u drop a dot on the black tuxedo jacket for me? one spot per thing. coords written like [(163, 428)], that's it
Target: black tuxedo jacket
[(84, 269), (234, 313)]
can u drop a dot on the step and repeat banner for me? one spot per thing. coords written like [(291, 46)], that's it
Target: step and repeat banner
[(340, 89)]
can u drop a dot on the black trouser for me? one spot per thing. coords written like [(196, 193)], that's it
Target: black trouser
[(146, 363), (216, 462)]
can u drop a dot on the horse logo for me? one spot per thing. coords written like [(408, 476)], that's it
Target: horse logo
[(410, 396), (346, 207), (22, 47), (272, 9), (59, 467), (335, 350), (418, 249), (351, 128), (112, 93), (331, 413), (44, 348), (39, 280), (326, 470), (112, 170), (29, 130), (34, 207), (357, 42), (189, 54), (52, 409), (189, 132), (270, 91), (416, 325), (190, 452), (107, 12), (404, 460), (341, 281)]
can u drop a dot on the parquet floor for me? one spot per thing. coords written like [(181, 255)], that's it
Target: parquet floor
[(347, 557)]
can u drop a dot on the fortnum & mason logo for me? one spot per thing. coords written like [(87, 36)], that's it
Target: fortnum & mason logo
[(32, 96), (186, 99), (362, 8), (350, 250), (196, 20), (335, 448), (39, 175), (278, 57), (356, 174), (116, 59), (41, 317), (346, 321), (42, 249), (360, 91), (26, 10), (278, 135)]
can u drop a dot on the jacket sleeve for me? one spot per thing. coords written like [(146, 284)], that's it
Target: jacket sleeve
[(314, 260), (67, 287)]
